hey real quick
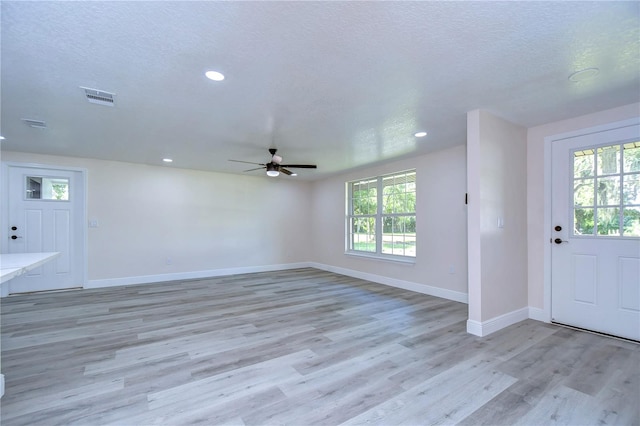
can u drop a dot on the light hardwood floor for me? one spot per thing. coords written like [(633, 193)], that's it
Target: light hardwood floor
[(298, 347)]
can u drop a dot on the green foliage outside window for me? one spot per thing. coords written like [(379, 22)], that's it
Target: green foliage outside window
[(60, 191), (382, 215), (606, 194)]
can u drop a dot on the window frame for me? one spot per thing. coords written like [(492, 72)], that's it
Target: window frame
[(597, 177), (378, 218)]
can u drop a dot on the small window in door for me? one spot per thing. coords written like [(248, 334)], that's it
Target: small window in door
[(47, 188), (606, 191)]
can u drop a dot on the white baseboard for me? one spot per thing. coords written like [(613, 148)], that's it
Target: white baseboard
[(494, 324), (474, 327), (194, 275), (456, 296), (539, 314), (407, 285)]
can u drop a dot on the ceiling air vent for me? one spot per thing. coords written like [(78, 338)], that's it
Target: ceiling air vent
[(99, 97), (37, 124)]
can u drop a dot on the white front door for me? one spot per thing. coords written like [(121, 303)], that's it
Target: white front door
[(45, 214), (595, 235)]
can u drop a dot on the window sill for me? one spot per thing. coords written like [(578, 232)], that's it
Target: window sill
[(377, 257)]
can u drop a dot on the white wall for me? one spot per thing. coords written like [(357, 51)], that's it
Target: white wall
[(440, 218), (474, 217), (497, 192), (537, 205), (201, 221), (200, 236)]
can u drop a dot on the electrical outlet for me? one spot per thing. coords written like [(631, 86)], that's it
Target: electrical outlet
[(452, 270), (168, 261)]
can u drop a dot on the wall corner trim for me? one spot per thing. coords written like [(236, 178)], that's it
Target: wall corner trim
[(485, 328), (539, 314), (474, 327), (444, 293)]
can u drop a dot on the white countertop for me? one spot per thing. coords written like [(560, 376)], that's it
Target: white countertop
[(14, 264)]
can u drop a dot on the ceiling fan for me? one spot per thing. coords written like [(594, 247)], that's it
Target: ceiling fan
[(275, 166)]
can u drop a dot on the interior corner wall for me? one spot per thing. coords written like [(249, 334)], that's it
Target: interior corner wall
[(156, 221), (440, 266), (536, 201), (497, 169)]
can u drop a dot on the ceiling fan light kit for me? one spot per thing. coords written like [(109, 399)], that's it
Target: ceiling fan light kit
[(272, 170), (274, 167)]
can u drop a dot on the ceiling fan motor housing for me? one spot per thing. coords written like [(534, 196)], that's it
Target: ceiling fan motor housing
[(276, 159)]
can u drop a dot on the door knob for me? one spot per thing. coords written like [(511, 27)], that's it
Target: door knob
[(559, 241), (15, 237), (14, 228), (558, 228)]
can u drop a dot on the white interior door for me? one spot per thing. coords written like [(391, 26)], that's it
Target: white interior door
[(45, 214), (595, 255)]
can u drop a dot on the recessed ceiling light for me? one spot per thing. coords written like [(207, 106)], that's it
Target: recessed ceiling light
[(420, 134), (167, 160), (1, 138), (294, 174), (214, 75), (584, 74)]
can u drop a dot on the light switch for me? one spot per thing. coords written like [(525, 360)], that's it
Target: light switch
[(500, 222), (93, 223)]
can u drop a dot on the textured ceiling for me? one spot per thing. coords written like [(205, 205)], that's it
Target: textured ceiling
[(340, 84)]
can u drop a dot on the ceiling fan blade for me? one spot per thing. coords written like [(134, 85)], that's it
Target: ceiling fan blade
[(300, 166), (257, 168), (285, 171), (248, 162)]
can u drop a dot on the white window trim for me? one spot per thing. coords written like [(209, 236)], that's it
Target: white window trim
[(393, 258), (377, 255)]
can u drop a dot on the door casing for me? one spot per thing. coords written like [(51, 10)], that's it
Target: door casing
[(548, 141), (82, 216)]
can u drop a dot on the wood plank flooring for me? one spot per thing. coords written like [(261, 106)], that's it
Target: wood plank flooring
[(297, 347)]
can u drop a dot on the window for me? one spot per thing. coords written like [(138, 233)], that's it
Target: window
[(606, 191), (47, 188), (381, 215)]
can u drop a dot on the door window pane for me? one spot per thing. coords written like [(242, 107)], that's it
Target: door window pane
[(583, 163), (583, 192), (631, 189), (609, 221), (609, 191), (632, 157), (583, 221), (608, 160), (47, 188), (631, 222)]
